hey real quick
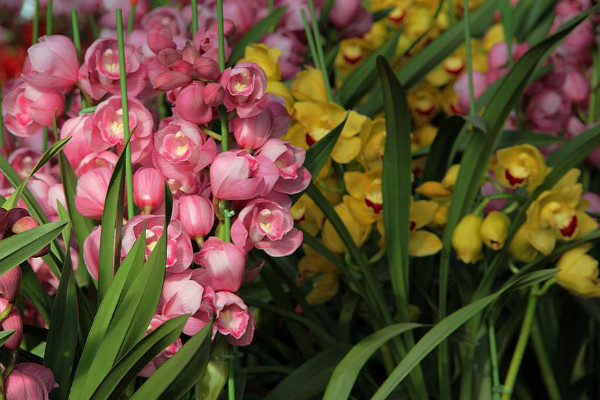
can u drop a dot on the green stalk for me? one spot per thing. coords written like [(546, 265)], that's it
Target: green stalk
[(49, 18), (450, 12), (506, 11), (131, 19), (594, 107), (224, 147), (472, 110), (319, 48), (311, 40), (77, 43), (2, 142), (515, 363), (494, 360), (544, 362), (194, 17), (125, 108), (36, 22), (271, 6)]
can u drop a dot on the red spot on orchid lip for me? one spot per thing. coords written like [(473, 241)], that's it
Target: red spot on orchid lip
[(375, 206), (570, 229), (513, 180), (352, 60), (412, 225), (309, 140)]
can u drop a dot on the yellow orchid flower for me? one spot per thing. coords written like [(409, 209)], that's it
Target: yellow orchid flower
[(265, 56), (358, 232), (350, 55), (279, 89), (424, 135), (307, 215), (466, 239), (423, 102), (520, 248), (520, 165), (373, 144), (327, 282), (309, 86), (365, 199), (494, 35), (578, 272), (421, 242), (556, 215), (319, 119), (494, 229)]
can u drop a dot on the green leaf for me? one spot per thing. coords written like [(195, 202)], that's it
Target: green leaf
[(112, 226), (181, 372), (417, 67), (512, 138), (429, 342), (260, 29), (439, 156), (47, 156), (18, 248), (5, 335), (345, 373), (141, 354), (32, 289), (61, 344), (361, 79), (310, 379), (93, 348), (15, 180), (397, 176), (534, 278)]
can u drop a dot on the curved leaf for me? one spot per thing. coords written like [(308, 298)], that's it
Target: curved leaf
[(345, 373), (141, 354), (18, 248), (181, 372)]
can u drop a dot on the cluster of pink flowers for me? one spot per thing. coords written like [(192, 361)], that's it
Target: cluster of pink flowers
[(555, 102), (27, 379), (251, 181)]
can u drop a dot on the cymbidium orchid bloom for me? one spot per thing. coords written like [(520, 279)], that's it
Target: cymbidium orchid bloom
[(268, 226), (105, 129), (466, 239), (423, 102), (421, 242), (14, 322), (557, 215), (309, 86), (91, 192), (578, 272), (233, 319), (494, 229), (148, 189), (365, 198), (222, 265), (27, 109), (326, 276), (99, 74), (52, 63), (78, 147), (266, 57), (179, 245), (358, 232), (289, 160), (197, 215), (29, 381), (372, 136), (245, 89), (521, 165), (307, 215)]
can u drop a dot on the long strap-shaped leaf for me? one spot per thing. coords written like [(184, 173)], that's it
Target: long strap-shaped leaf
[(104, 316), (61, 344), (178, 375), (397, 172), (18, 248), (345, 374), (112, 225), (310, 379), (143, 352)]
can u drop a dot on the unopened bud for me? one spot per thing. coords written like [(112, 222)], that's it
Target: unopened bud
[(466, 239)]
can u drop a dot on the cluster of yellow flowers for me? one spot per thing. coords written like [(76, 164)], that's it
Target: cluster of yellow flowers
[(556, 215)]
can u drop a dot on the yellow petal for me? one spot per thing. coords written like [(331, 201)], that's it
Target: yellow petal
[(346, 150), (433, 189), (422, 213), (544, 240), (309, 85), (323, 289), (423, 243)]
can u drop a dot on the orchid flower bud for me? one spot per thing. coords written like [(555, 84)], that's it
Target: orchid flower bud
[(466, 239), (494, 229)]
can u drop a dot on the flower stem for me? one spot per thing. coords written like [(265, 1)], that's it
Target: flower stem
[(231, 377), (36, 22), (467, 22), (125, 108), (515, 363), (49, 18), (494, 360), (311, 40), (131, 19), (319, 48), (76, 38), (194, 17), (545, 366)]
